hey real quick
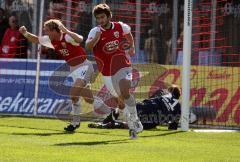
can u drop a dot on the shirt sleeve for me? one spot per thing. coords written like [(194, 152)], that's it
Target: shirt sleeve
[(69, 39), (45, 41), (92, 34), (126, 28)]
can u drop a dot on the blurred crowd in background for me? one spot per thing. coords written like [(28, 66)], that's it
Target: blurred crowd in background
[(158, 29)]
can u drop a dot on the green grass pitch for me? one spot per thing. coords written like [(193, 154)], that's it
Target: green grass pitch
[(35, 139)]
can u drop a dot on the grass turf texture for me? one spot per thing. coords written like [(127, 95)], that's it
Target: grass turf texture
[(34, 139)]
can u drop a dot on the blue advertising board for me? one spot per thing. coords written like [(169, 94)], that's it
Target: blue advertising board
[(17, 88)]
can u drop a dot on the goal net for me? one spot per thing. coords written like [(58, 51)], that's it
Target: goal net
[(157, 28), (215, 51)]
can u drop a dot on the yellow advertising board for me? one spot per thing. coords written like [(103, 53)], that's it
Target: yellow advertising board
[(211, 86)]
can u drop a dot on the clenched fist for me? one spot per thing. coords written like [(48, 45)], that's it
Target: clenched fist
[(23, 30)]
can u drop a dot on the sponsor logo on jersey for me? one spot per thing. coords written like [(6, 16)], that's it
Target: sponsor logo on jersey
[(64, 52), (116, 34), (111, 46)]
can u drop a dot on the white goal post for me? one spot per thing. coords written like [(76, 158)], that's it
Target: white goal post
[(187, 50), (38, 61)]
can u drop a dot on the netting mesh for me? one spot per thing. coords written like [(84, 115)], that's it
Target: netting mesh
[(217, 88), (157, 28)]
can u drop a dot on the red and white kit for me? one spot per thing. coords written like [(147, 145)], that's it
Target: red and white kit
[(110, 55), (73, 54)]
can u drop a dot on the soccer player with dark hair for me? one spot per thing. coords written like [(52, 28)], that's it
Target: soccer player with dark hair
[(109, 42)]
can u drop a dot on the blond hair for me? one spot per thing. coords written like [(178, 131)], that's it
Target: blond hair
[(53, 24)]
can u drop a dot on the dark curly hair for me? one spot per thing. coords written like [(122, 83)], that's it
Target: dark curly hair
[(102, 8)]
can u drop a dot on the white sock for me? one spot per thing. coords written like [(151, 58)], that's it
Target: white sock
[(75, 120), (76, 109), (130, 105), (100, 109)]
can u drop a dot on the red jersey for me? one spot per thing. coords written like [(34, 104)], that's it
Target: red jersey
[(108, 52), (10, 43), (70, 51)]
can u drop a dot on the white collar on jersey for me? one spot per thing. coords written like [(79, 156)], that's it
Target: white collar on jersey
[(105, 29)]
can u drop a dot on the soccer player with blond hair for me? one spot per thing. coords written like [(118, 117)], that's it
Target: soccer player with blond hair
[(67, 45)]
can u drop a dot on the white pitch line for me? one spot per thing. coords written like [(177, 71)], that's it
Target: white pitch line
[(213, 130)]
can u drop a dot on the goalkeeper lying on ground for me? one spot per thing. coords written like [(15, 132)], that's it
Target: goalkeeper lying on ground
[(161, 108)]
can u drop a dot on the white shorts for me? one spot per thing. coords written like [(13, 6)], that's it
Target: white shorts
[(112, 82), (84, 71)]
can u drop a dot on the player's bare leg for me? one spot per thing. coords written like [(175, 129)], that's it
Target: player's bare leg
[(121, 104), (134, 124), (87, 95), (76, 105)]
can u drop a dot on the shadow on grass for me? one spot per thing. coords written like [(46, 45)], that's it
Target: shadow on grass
[(60, 132), (38, 134), (3, 116), (114, 141), (93, 143), (25, 127), (162, 134), (157, 130)]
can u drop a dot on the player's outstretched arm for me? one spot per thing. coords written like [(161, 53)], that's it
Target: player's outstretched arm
[(30, 37), (77, 38)]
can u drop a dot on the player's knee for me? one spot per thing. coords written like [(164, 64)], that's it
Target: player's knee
[(124, 88), (74, 99), (79, 83), (74, 93)]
